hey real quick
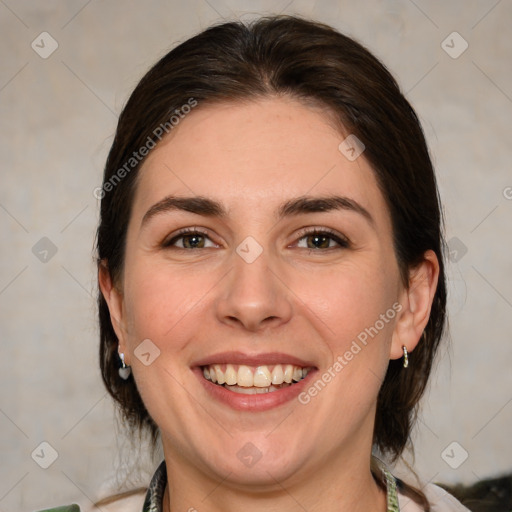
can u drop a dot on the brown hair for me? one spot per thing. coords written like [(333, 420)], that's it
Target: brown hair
[(309, 61)]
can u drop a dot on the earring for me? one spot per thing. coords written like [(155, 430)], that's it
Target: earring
[(124, 371), (406, 358)]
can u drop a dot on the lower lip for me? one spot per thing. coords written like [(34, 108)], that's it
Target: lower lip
[(257, 402)]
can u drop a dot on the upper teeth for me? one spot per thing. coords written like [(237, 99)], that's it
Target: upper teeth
[(260, 376)]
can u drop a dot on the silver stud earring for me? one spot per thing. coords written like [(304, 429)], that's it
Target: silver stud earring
[(406, 357), (124, 371)]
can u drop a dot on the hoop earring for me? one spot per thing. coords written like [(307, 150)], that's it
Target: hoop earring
[(406, 357), (125, 371)]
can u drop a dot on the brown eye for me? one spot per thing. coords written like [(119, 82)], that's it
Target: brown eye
[(189, 240), (322, 240), (318, 241), (193, 241)]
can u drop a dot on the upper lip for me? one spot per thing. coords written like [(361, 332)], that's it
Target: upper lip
[(265, 358)]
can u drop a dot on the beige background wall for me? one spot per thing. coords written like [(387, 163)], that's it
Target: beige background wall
[(57, 118)]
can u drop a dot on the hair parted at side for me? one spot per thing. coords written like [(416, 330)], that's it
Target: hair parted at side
[(312, 62)]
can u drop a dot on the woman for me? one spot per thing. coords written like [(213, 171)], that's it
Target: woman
[(271, 273)]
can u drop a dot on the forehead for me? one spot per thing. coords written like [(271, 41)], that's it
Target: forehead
[(254, 155)]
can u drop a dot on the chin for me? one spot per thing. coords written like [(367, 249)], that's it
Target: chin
[(261, 477), (258, 461)]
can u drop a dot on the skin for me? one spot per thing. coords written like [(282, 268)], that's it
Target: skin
[(311, 303)]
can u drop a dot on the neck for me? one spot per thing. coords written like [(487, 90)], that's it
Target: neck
[(330, 488)]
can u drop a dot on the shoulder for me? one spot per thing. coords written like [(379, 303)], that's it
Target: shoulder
[(439, 499), (131, 503), (67, 508)]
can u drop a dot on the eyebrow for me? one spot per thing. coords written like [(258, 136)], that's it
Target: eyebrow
[(210, 208)]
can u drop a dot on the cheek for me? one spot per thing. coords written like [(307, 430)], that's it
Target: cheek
[(157, 300), (354, 308), (350, 302)]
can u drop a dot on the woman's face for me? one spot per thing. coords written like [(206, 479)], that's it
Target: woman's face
[(286, 269)]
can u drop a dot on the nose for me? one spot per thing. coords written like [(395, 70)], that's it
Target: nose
[(254, 295)]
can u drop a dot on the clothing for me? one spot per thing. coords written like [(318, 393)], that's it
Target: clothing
[(439, 499)]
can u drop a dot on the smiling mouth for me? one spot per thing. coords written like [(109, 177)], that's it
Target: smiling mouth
[(252, 380)]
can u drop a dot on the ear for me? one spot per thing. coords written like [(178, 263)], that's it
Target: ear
[(114, 300), (416, 303)]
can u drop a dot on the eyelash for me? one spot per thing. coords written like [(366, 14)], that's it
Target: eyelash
[(342, 241), (181, 233)]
